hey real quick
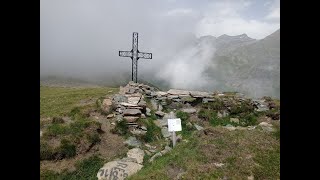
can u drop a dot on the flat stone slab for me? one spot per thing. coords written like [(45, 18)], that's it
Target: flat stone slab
[(160, 113), (161, 93), (161, 122), (132, 112), (200, 94), (128, 104), (131, 119), (172, 96), (119, 170), (134, 100), (178, 92)]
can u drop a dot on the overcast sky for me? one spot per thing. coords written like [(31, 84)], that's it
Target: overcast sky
[(82, 37)]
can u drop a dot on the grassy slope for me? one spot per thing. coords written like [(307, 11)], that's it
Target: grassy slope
[(244, 153), (57, 101)]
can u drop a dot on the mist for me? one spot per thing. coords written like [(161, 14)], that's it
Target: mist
[(81, 38)]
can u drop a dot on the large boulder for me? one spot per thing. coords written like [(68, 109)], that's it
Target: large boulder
[(106, 105), (119, 170)]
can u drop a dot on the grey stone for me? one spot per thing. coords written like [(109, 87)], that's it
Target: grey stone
[(154, 104), (161, 93), (199, 94), (165, 132), (176, 100), (265, 124), (132, 141), (149, 146), (131, 118), (155, 156), (160, 108), (241, 128), (110, 116), (172, 96), (143, 128), (138, 132), (119, 98), (106, 105), (119, 118), (119, 170), (148, 112), (142, 103), (148, 152), (267, 128), (148, 92), (136, 153), (163, 103), (235, 120), (153, 94), (132, 112), (206, 100), (160, 113), (178, 92), (128, 105), (143, 116), (166, 150), (189, 110), (134, 100), (198, 127), (131, 91)]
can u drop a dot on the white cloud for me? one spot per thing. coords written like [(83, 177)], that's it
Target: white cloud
[(179, 12), (274, 11)]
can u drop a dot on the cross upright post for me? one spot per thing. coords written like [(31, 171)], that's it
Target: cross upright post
[(134, 54)]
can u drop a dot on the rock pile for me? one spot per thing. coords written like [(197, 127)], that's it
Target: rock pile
[(130, 105)]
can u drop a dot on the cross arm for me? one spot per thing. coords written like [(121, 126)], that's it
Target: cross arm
[(144, 55), (125, 53)]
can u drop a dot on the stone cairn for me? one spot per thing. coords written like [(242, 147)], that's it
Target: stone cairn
[(130, 104)]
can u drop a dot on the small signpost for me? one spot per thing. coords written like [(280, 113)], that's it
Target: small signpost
[(173, 126)]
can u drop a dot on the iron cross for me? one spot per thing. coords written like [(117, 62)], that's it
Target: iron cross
[(135, 55)]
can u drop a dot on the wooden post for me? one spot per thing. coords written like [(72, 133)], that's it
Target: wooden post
[(173, 138)]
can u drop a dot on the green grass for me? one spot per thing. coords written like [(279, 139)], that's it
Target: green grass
[(243, 153), (153, 131), (85, 170), (186, 130), (58, 101)]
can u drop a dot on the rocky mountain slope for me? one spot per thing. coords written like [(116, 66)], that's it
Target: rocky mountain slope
[(247, 65)]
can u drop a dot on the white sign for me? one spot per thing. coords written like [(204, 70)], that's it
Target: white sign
[(174, 125)]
